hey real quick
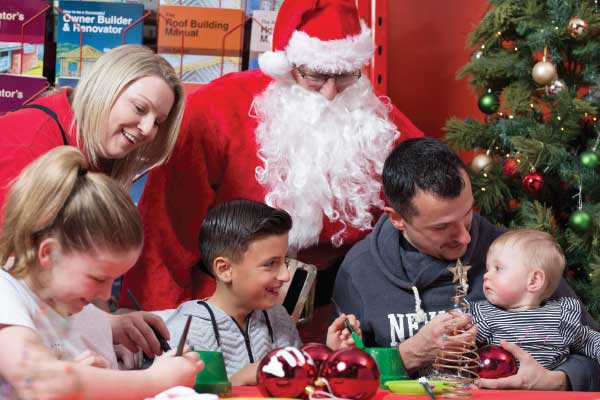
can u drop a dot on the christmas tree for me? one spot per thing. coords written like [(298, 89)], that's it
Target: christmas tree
[(536, 70)]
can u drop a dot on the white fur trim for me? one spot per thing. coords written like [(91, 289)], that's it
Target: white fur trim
[(331, 56), (274, 63)]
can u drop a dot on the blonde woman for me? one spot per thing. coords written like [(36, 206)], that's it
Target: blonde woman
[(124, 115), (71, 233)]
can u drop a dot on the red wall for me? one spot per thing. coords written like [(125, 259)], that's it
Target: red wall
[(427, 46)]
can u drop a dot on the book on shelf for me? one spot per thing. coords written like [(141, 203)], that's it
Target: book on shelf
[(148, 4), (17, 89), (239, 4), (24, 57), (102, 25), (202, 43), (265, 5), (261, 36)]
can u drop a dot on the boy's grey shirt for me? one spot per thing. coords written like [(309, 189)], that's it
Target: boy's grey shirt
[(233, 341), (373, 283)]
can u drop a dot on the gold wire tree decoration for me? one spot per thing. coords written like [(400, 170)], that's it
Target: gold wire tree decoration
[(458, 359)]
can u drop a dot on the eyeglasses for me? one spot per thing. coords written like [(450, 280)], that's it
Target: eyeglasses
[(316, 81)]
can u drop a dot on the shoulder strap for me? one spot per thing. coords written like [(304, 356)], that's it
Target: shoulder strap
[(213, 320), (52, 115)]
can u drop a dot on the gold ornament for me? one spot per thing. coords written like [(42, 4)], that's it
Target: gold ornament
[(481, 162), (543, 72), (576, 27), (459, 272), (458, 360)]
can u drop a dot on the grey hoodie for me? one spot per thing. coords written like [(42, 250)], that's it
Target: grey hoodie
[(373, 284)]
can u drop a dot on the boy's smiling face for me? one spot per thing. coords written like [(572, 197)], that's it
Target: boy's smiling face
[(258, 277)]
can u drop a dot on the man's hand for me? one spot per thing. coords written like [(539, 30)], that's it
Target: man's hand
[(531, 375), (134, 331), (422, 348)]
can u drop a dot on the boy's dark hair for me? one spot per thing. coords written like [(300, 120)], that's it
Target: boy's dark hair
[(230, 227), (421, 164)]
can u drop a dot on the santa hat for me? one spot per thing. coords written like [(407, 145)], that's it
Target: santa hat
[(323, 35)]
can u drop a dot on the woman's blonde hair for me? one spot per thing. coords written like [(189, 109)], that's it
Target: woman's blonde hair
[(96, 93), (55, 197)]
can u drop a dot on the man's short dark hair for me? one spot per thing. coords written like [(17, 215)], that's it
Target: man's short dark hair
[(421, 164), (229, 228)]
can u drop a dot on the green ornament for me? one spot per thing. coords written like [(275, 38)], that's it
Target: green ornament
[(580, 221), (488, 103), (589, 159)]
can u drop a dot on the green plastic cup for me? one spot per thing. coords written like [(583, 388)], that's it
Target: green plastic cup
[(213, 377), (389, 363)]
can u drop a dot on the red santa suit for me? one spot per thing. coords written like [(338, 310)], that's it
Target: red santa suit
[(215, 160)]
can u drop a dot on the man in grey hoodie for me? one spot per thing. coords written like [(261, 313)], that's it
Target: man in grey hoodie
[(396, 280)]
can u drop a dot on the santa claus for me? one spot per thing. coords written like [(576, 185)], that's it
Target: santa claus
[(304, 133)]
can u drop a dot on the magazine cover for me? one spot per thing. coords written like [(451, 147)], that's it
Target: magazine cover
[(201, 42), (17, 89), (266, 5), (261, 37), (22, 58), (205, 3), (102, 25)]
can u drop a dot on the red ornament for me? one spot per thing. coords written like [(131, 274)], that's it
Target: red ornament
[(513, 204), (508, 44), (510, 168), (285, 372), (318, 352), (352, 374), (496, 362), (532, 182)]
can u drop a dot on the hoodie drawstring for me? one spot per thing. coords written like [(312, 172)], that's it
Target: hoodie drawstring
[(421, 316)]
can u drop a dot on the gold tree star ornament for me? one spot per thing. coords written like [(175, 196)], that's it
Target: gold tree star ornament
[(459, 274), (459, 271), (458, 359)]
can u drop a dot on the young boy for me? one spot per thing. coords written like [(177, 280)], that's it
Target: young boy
[(524, 268), (243, 245)]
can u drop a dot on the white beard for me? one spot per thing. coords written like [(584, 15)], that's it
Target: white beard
[(322, 157)]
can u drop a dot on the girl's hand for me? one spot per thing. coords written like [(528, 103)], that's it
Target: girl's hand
[(171, 371)]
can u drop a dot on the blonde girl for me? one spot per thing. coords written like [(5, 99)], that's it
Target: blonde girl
[(70, 232)]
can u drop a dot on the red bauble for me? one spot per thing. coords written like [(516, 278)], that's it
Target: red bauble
[(318, 352), (510, 168), (352, 374), (285, 372), (532, 182), (496, 362), (513, 204), (508, 44)]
